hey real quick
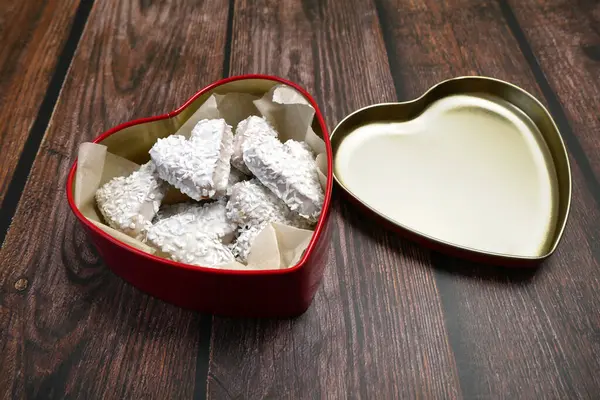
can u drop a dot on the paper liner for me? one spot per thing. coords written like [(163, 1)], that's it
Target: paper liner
[(264, 252), (291, 243), (95, 167), (277, 246), (235, 107)]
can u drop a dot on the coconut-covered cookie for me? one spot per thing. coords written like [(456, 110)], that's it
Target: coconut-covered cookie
[(198, 166), (241, 247), (129, 204), (251, 203), (290, 176), (195, 234), (252, 128)]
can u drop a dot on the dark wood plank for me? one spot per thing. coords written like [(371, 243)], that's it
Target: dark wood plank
[(565, 38), (514, 335), (70, 328), (375, 327), (32, 34)]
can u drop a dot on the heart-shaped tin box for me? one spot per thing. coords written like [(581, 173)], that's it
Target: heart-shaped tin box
[(475, 167), (262, 293)]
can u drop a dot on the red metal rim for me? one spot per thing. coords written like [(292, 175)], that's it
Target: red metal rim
[(320, 224)]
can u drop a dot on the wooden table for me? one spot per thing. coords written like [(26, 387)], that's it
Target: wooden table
[(391, 319)]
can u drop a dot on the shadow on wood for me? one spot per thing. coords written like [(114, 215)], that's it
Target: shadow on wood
[(372, 225)]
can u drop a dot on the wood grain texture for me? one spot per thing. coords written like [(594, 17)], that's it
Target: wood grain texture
[(391, 319), (375, 328), (70, 328), (514, 335), (565, 38), (32, 34)]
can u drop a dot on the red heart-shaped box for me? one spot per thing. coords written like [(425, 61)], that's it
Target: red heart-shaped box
[(264, 293)]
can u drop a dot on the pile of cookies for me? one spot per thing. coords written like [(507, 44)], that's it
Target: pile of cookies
[(237, 184)]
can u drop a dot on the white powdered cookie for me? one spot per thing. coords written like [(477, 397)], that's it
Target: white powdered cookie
[(128, 204), (195, 235), (252, 128), (251, 203), (241, 247), (198, 167), (291, 177)]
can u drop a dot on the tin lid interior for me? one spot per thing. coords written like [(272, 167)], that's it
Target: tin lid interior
[(476, 164)]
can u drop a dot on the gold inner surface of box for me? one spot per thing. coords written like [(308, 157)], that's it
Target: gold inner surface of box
[(471, 169)]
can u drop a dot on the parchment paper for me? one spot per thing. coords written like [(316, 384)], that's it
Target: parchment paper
[(291, 115), (95, 167), (235, 107), (277, 246)]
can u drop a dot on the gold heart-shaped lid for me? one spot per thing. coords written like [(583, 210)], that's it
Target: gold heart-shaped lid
[(475, 167)]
